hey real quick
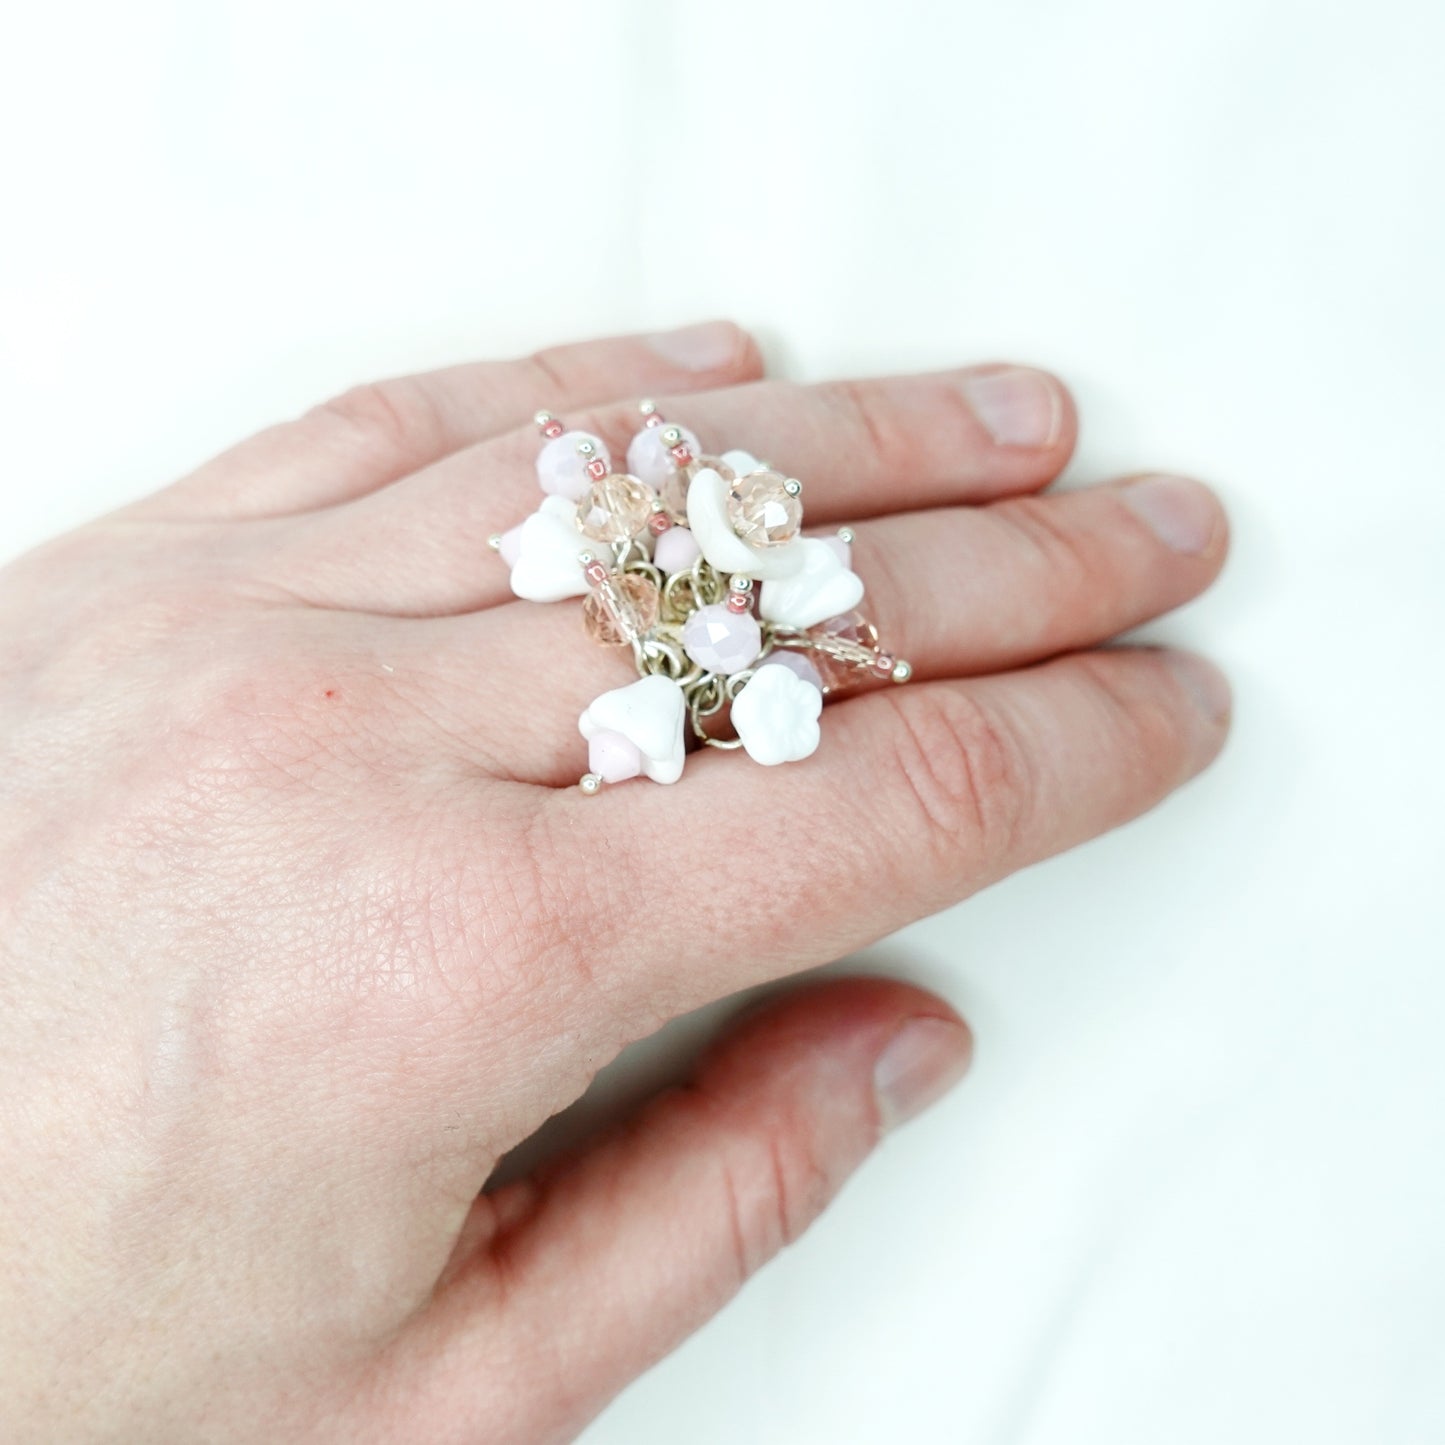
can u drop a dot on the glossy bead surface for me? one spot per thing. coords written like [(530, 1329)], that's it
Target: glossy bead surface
[(762, 511), (649, 457), (720, 640), (561, 469), (614, 509)]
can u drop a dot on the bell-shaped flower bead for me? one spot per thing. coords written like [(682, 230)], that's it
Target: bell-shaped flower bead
[(649, 713), (821, 588)]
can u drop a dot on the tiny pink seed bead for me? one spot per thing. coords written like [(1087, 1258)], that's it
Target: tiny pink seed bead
[(596, 469), (654, 420), (552, 429), (883, 664), (658, 523), (596, 573), (739, 602)]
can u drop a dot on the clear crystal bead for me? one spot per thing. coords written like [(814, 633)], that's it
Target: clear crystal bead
[(639, 601), (615, 508), (762, 510), (674, 489)]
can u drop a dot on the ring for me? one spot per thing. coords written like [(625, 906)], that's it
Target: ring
[(738, 624)]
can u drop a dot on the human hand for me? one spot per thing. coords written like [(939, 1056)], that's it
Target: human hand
[(303, 932)]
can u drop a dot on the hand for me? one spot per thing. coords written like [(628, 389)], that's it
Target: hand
[(303, 928)]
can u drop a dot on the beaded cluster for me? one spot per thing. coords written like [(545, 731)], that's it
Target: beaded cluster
[(739, 625)]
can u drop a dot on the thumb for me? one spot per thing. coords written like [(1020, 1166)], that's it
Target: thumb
[(615, 1256)]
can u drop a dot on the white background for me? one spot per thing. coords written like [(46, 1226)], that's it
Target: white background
[(1194, 1191)]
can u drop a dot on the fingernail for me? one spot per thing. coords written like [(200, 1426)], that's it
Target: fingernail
[(708, 346), (1180, 512), (922, 1061), (1206, 685), (1019, 406)]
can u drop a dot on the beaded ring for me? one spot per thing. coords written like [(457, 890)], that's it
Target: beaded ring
[(738, 624)]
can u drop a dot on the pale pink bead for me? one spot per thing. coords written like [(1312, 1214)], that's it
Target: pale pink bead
[(613, 757), (676, 550), (648, 457), (842, 548), (561, 470), (510, 547), (798, 663), (722, 641)]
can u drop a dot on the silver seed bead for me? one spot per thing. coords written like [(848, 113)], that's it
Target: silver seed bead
[(590, 783)]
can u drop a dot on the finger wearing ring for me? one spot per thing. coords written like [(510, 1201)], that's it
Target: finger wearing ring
[(737, 625)]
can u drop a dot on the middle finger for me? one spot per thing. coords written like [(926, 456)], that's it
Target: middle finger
[(862, 448)]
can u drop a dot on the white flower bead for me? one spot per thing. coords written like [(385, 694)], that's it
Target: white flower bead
[(548, 545), (649, 713), (776, 716), (822, 588), (707, 515)]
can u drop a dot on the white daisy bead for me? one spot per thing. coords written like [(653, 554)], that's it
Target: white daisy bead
[(776, 716)]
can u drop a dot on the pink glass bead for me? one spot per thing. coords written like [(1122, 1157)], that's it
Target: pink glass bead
[(763, 512), (659, 523), (649, 457), (721, 641), (510, 547), (676, 550), (798, 663), (561, 470), (613, 757)]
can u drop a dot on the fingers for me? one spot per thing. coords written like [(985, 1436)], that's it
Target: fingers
[(917, 797), (374, 434), (862, 449), (613, 1259), (961, 592), (957, 592)]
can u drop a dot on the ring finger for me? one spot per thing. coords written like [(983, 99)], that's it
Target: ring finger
[(959, 592)]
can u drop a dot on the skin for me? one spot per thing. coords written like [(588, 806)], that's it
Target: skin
[(303, 928)]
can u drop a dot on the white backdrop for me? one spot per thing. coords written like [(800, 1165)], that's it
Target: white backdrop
[(1194, 1189)]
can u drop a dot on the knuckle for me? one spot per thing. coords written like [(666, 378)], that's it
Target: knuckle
[(1143, 726), (1070, 565), (875, 422), (964, 770), (773, 1189), (396, 414), (550, 370)]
